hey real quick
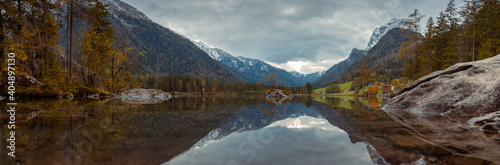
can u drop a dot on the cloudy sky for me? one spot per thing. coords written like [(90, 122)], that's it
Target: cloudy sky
[(296, 35)]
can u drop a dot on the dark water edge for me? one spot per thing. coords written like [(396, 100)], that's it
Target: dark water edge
[(112, 132)]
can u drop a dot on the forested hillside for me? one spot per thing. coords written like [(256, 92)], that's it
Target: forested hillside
[(458, 35), (103, 42), (381, 63), (165, 52)]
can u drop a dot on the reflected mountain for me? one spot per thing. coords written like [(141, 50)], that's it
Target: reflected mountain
[(255, 118), (295, 135)]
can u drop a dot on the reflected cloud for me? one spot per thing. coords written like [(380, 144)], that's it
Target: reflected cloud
[(301, 140)]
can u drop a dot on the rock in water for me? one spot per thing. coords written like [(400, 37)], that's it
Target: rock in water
[(455, 108), (278, 96), (144, 96)]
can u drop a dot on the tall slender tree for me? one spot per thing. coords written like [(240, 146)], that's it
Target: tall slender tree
[(409, 50), (97, 42), (2, 35), (468, 12), (69, 38)]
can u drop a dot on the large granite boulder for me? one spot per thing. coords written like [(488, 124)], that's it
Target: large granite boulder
[(457, 108), (144, 96)]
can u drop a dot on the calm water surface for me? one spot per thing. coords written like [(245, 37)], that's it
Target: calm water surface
[(216, 130)]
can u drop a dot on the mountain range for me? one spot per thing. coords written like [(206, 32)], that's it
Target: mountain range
[(253, 70), (167, 52), (305, 78)]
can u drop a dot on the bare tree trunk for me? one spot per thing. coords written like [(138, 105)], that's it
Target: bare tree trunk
[(70, 71), (69, 39), (19, 14), (44, 34), (2, 36), (113, 73)]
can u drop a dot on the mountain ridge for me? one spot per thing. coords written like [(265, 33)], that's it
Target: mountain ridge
[(338, 69), (247, 69), (305, 78)]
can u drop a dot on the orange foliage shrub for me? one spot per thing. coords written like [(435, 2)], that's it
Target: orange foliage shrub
[(373, 90)]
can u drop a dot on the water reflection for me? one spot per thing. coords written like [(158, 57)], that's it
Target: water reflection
[(300, 140), (67, 132), (388, 141), (217, 130)]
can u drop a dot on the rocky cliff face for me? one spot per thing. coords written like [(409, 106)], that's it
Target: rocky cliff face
[(457, 108)]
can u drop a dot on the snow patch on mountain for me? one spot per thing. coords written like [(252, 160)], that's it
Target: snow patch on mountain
[(117, 6), (382, 30), (305, 78), (248, 69)]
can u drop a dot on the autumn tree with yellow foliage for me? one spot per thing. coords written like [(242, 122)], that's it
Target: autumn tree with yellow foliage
[(105, 61), (29, 30)]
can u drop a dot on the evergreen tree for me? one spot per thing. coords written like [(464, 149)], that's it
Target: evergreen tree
[(308, 88), (468, 12), (451, 53), (409, 50), (488, 33), (97, 42)]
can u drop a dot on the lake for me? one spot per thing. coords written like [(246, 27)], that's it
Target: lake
[(225, 130)]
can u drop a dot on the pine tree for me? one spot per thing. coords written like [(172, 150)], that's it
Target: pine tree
[(97, 42), (427, 51), (308, 88), (451, 53), (409, 50), (468, 13), (488, 28)]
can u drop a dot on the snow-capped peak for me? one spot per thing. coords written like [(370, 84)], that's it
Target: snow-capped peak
[(382, 30), (248, 69), (212, 52), (201, 44), (297, 74), (117, 6)]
